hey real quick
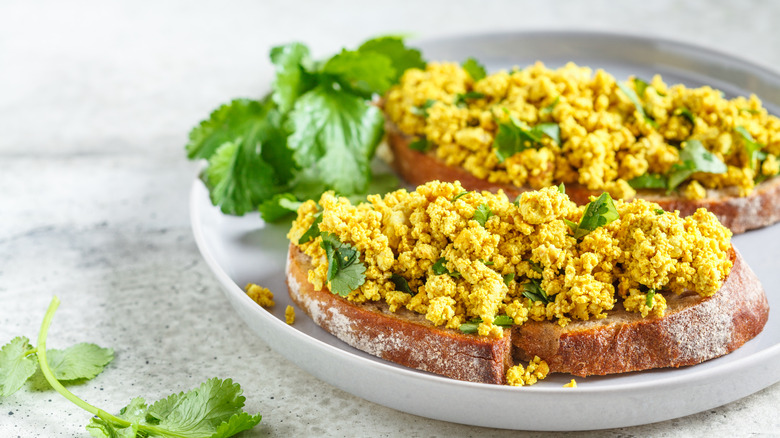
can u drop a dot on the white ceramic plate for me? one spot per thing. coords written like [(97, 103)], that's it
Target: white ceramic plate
[(244, 249)]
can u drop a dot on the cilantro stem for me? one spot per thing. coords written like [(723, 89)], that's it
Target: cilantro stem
[(41, 348), (29, 352)]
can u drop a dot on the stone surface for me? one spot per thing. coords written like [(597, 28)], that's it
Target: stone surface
[(96, 100)]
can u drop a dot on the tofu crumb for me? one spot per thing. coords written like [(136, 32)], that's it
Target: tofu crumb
[(536, 370), (261, 295), (572, 384), (289, 315)]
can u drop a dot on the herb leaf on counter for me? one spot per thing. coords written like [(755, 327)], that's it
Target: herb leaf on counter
[(16, 365)]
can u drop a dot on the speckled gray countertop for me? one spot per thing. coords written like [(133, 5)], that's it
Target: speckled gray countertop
[(96, 100)]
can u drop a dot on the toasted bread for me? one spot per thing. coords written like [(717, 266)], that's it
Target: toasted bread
[(738, 213), (693, 330)]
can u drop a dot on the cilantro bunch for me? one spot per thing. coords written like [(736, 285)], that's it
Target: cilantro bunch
[(213, 410), (316, 130)]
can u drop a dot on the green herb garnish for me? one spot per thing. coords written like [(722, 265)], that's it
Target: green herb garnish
[(515, 136), (659, 211), (631, 94), (401, 284), (345, 270), (598, 213), (473, 325), (313, 231), (536, 266), (508, 278), (461, 99), (649, 298), (459, 195), (422, 110), (440, 268), (534, 292), (561, 189), (685, 113), (421, 145), (648, 181), (474, 69), (546, 111), (641, 86), (752, 148), (694, 158), (482, 214)]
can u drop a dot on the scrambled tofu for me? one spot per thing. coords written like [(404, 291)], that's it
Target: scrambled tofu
[(259, 294), (457, 256), (536, 370), (289, 315), (605, 140)]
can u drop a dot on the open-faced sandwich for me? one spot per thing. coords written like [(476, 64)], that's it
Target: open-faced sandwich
[(683, 148), (473, 286)]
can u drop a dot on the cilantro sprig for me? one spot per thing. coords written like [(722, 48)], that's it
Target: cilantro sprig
[(346, 272), (440, 268), (752, 147), (534, 292), (482, 213), (315, 131), (474, 68), (473, 325), (632, 96), (515, 136), (694, 157), (214, 410), (599, 212)]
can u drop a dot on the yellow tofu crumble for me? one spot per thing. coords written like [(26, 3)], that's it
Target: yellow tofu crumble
[(467, 255), (289, 315), (536, 370), (604, 139), (259, 294), (571, 384)]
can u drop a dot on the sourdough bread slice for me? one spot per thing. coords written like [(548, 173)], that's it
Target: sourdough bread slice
[(737, 213), (693, 330)]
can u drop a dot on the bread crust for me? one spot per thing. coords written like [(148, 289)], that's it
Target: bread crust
[(739, 214), (403, 337)]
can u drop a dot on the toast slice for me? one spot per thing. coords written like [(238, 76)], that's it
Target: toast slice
[(693, 330), (737, 213)]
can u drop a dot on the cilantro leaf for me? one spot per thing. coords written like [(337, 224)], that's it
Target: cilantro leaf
[(508, 278), (752, 148), (599, 212), (440, 268), (514, 136), (313, 231), (648, 181), (534, 292), (401, 284), (279, 206), (364, 73), (482, 214), (640, 85), (422, 110), (16, 365), (213, 410), (546, 111), (686, 114), (80, 361), (223, 125), (293, 77), (252, 163), (459, 195), (461, 99), (631, 94), (649, 298), (345, 270), (401, 57), (421, 144), (335, 135), (473, 325), (694, 158), (474, 69)]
